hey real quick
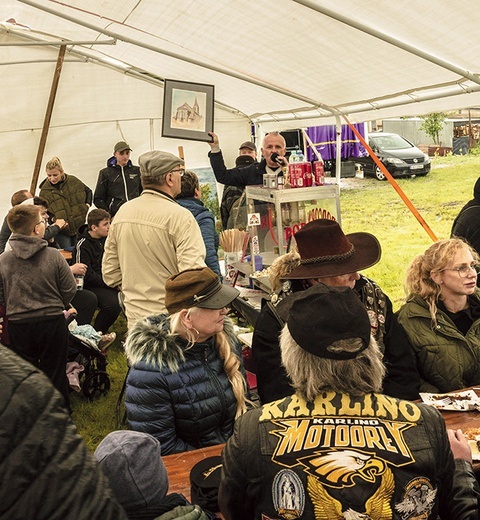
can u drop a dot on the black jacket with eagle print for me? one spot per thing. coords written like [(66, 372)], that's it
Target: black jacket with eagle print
[(344, 456)]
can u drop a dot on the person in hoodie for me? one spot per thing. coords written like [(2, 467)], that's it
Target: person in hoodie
[(467, 223), (36, 285), (68, 199), (89, 251), (17, 198), (118, 182), (190, 198), (185, 385), (132, 462)]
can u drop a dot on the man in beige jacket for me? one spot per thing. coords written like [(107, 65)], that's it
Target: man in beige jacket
[(152, 238)]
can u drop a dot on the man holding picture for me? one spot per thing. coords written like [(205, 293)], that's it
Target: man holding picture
[(253, 173)]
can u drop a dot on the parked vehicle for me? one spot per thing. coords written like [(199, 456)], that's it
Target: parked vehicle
[(401, 157)]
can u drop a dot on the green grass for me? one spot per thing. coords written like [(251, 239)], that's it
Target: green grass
[(366, 205), (377, 208), (95, 419)]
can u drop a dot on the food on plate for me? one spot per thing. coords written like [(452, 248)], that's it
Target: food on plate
[(453, 397), (472, 434)]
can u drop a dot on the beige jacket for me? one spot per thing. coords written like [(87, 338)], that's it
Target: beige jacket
[(151, 238)]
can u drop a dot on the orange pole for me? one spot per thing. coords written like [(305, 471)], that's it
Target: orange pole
[(392, 181)]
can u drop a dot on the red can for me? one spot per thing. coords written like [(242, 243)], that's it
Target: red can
[(319, 173), (307, 174), (292, 176), (299, 175)]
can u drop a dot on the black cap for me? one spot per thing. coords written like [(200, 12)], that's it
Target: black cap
[(322, 315)]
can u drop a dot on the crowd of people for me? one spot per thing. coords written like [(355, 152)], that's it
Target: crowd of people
[(334, 427)]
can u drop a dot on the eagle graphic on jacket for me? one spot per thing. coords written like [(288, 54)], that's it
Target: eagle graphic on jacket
[(340, 469)]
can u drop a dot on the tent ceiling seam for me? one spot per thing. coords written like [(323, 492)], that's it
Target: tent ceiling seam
[(391, 40), (154, 48)]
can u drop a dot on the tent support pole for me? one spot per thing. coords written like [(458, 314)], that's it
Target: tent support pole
[(48, 117)]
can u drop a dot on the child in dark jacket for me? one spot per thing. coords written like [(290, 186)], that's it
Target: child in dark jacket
[(89, 251), (36, 284)]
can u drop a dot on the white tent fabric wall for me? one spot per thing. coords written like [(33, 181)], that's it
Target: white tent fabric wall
[(94, 108), (288, 64)]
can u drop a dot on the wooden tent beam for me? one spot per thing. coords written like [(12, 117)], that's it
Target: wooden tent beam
[(48, 117)]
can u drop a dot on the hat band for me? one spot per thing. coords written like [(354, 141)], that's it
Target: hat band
[(199, 298), (328, 258)]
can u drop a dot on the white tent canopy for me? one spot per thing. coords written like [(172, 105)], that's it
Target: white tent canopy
[(278, 65)]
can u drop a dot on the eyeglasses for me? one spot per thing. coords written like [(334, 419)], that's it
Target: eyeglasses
[(181, 171), (464, 270), (43, 221)]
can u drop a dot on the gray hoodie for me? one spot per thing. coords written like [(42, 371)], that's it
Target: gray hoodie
[(35, 280)]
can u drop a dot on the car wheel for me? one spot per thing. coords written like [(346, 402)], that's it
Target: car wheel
[(379, 174)]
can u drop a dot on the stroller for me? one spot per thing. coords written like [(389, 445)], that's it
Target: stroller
[(94, 380)]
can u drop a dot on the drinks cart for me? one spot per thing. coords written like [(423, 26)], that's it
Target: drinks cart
[(280, 213)]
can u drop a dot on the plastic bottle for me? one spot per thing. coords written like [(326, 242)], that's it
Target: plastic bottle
[(302, 215), (79, 282), (285, 210), (299, 169)]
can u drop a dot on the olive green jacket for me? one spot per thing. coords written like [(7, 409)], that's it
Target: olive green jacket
[(446, 359), (68, 200)]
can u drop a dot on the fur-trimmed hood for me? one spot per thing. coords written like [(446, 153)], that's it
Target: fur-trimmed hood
[(282, 266), (150, 341)]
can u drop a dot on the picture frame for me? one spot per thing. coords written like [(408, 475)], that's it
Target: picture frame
[(188, 110)]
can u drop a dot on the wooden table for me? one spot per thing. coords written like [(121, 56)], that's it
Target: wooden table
[(179, 466), (66, 254), (464, 420)]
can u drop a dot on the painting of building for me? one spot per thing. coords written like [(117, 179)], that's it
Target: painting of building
[(187, 111)]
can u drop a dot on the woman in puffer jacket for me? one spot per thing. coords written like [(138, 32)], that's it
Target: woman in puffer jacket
[(185, 385)]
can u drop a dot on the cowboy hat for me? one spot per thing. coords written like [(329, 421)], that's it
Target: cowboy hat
[(326, 251)]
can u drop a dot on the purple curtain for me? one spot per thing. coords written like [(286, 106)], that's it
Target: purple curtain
[(324, 139)]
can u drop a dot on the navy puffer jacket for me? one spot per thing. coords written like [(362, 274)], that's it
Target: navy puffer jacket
[(180, 396), (206, 221)]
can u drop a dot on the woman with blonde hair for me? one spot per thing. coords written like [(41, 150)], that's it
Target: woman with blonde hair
[(185, 385), (68, 199), (441, 315)]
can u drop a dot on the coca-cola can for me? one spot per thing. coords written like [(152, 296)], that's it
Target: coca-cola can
[(319, 173), (292, 175), (307, 174), (299, 175)]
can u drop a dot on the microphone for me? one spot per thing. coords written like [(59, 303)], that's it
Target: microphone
[(275, 157)]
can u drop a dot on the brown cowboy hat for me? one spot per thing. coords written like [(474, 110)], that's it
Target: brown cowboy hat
[(326, 251)]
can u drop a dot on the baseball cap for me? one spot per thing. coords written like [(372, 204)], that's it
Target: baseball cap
[(121, 146), (248, 144), (322, 315)]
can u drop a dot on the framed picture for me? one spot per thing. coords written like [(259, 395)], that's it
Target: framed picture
[(187, 110)]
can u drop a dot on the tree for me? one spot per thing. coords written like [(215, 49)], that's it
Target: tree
[(433, 124), (210, 200)]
